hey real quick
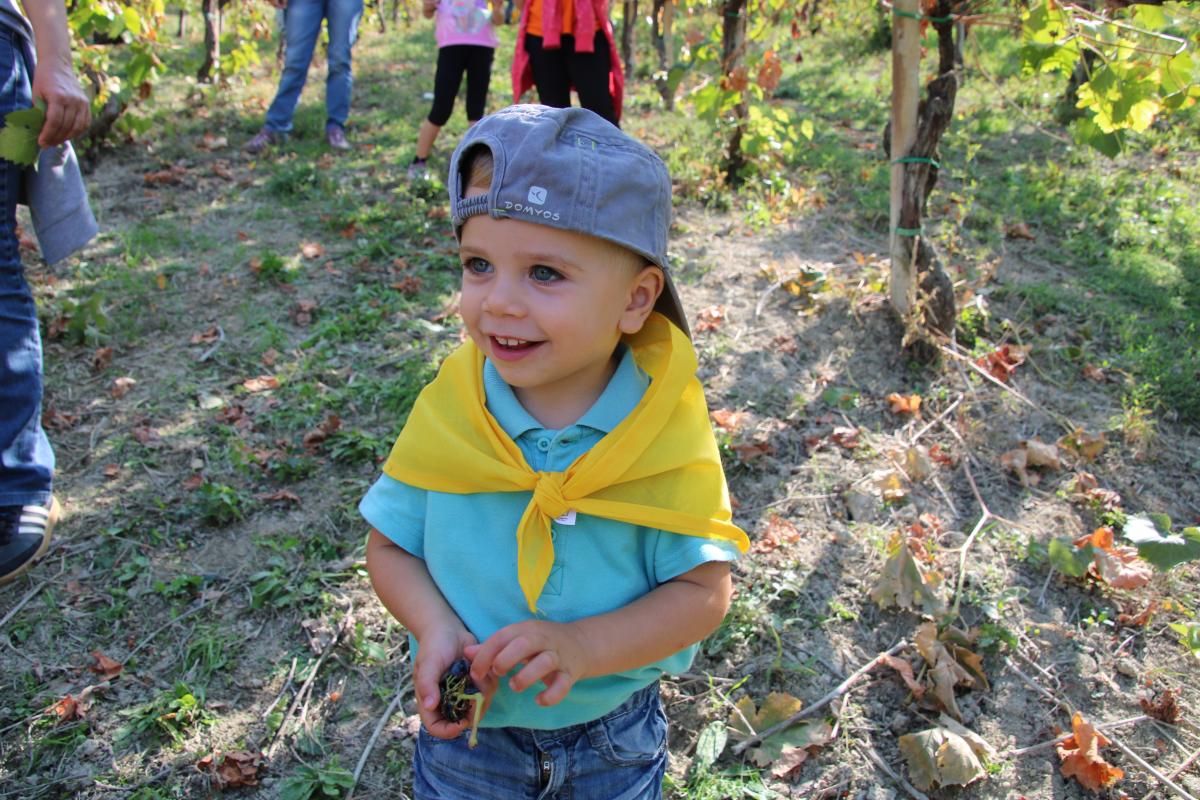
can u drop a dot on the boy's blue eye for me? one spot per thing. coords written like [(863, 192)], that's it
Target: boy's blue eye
[(543, 274), (477, 265)]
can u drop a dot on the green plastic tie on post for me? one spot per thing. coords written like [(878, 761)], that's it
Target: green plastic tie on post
[(908, 231), (913, 15), (917, 160)]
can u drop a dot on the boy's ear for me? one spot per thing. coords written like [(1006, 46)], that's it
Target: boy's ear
[(647, 285)]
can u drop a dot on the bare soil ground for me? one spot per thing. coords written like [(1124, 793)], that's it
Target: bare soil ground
[(256, 597)]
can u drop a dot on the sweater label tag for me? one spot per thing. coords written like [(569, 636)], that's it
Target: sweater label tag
[(567, 518)]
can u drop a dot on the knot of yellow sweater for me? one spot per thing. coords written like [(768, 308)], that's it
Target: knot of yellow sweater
[(547, 494)]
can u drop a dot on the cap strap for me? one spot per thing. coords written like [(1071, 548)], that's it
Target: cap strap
[(472, 206)]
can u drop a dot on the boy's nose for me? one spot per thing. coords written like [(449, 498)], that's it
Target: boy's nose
[(503, 298)]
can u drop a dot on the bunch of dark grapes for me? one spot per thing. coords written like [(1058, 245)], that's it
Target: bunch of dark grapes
[(458, 693)]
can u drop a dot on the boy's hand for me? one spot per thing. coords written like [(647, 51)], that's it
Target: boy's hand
[(552, 652), (434, 657)]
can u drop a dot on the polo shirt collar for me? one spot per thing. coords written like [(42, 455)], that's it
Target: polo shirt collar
[(619, 398)]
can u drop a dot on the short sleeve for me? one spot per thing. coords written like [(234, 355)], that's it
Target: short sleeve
[(397, 510), (676, 553)]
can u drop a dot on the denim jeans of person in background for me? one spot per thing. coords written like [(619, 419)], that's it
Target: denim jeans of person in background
[(621, 756), (302, 27), (26, 460)]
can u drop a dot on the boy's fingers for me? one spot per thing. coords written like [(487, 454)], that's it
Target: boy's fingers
[(540, 667), (557, 686)]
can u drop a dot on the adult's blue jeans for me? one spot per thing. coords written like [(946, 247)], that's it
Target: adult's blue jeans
[(26, 460), (302, 26)]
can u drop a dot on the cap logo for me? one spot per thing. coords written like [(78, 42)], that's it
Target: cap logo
[(537, 195)]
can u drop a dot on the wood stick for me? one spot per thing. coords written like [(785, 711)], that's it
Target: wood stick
[(1141, 762), (387, 714), (1037, 748), (891, 773), (1175, 773), (21, 603), (741, 747)]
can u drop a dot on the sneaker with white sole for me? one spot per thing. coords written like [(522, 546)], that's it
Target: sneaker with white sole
[(24, 536)]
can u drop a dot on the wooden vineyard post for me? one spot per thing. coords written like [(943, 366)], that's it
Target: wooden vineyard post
[(921, 291), (906, 78)]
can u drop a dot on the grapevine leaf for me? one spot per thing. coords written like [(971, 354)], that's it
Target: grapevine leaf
[(711, 743), (1081, 760), (1068, 560), (1158, 544), (904, 583), (18, 137), (941, 757)]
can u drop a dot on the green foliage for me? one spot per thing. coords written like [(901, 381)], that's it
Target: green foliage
[(174, 713), (1138, 63), (1189, 636), (18, 137), (219, 504), (307, 782), (1068, 559), (1158, 544)]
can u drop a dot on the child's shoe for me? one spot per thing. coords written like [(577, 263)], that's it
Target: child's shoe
[(418, 170), (24, 536), (336, 136), (262, 141)]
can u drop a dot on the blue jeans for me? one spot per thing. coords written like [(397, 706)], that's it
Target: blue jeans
[(302, 26), (26, 460), (621, 756)]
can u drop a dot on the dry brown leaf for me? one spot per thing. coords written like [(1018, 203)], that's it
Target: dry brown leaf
[(727, 419), (752, 450), (312, 250), (302, 312), (746, 721), (121, 387), (917, 463), (1019, 230), (905, 404), (1093, 373), (280, 496), (945, 670), (1163, 706), (904, 583), (1084, 445), (260, 384), (1001, 363), (327, 428), (776, 532), (105, 666), (1081, 760), (1122, 567), (709, 319), (101, 359), (906, 673), (845, 437), (891, 486), (942, 757), (67, 709), (1040, 454)]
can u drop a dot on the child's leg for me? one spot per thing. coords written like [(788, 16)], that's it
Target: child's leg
[(503, 765), (621, 756), (549, 72), (589, 74), (479, 74), (426, 136), (451, 63)]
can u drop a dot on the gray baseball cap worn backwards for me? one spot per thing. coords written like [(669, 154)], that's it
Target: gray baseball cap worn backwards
[(569, 168)]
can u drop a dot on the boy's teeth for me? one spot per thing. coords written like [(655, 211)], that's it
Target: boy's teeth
[(509, 342)]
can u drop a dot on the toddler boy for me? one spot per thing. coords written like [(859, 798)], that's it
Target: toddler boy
[(554, 509)]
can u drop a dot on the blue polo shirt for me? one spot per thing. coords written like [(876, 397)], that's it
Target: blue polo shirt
[(469, 545)]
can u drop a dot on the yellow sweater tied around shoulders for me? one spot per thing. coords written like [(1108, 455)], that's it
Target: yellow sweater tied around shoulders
[(659, 468)]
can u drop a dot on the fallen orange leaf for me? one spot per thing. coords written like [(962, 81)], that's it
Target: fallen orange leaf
[(905, 404), (1080, 754)]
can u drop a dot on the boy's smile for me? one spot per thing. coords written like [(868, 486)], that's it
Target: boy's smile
[(548, 307)]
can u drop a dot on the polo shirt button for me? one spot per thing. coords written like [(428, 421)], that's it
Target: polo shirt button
[(543, 444)]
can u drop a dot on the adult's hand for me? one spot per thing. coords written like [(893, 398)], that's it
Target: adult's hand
[(68, 110)]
